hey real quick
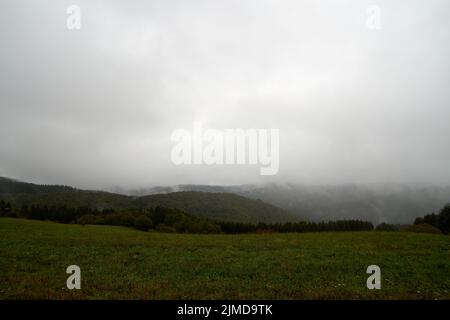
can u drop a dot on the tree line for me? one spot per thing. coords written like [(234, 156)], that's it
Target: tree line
[(168, 220), (5, 209), (440, 220), (304, 226), (159, 218)]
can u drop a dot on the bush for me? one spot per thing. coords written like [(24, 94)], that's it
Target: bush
[(6, 210), (265, 231), (142, 223), (423, 228), (387, 227), (88, 219), (440, 221), (443, 222), (202, 227), (431, 219), (166, 229)]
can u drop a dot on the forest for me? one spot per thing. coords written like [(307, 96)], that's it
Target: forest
[(168, 220)]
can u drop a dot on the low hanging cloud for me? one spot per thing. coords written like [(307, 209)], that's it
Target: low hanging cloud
[(96, 107)]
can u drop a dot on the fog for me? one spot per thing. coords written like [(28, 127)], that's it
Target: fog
[(96, 107)]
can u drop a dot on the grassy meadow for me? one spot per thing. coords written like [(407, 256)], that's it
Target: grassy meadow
[(120, 263)]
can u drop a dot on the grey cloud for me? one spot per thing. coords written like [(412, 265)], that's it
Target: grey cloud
[(96, 107)]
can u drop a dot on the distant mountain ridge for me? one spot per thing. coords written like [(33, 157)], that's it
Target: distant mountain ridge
[(385, 203), (216, 206), (274, 202)]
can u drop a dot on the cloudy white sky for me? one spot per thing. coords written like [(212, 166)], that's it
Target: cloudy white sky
[(96, 107)]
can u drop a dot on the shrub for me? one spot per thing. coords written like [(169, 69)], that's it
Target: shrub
[(5, 210), (386, 227), (444, 219), (166, 229), (431, 219), (203, 227), (142, 223), (87, 219), (423, 228), (265, 231), (440, 221)]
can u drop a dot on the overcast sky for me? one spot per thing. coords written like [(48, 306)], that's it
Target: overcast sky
[(96, 107)]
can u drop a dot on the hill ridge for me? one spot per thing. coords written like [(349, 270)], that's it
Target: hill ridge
[(216, 206)]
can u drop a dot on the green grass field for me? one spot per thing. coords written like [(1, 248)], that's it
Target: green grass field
[(119, 263)]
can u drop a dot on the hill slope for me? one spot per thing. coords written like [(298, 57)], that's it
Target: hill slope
[(217, 206), (385, 203), (221, 206)]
